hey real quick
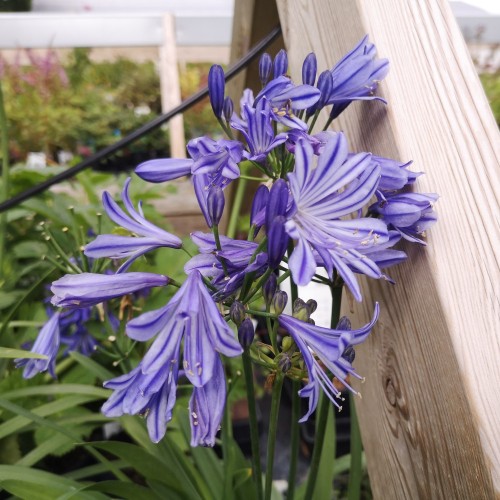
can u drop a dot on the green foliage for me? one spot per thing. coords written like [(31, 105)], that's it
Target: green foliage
[(83, 106), (491, 85)]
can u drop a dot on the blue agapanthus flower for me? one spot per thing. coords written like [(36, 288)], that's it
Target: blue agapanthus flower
[(47, 344), (89, 289), (119, 247), (356, 77), (235, 256), (192, 316), (337, 186), (318, 344), (206, 408)]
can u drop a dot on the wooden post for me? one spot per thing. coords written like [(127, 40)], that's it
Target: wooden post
[(430, 413), (247, 33), (170, 87)]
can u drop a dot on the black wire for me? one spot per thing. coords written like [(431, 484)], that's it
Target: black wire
[(141, 131)]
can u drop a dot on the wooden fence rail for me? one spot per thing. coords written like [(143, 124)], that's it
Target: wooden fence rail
[(430, 413)]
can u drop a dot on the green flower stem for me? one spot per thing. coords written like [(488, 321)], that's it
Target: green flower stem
[(237, 202), (294, 429), (226, 452), (262, 313), (251, 178), (254, 430), (295, 435), (354, 488), (273, 426), (215, 231), (258, 286), (322, 414), (5, 176), (321, 419)]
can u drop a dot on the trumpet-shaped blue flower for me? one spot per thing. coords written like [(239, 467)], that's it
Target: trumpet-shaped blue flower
[(206, 408), (118, 247), (47, 344), (193, 315), (318, 344), (258, 131), (218, 158), (152, 396), (356, 77), (394, 174), (88, 289), (285, 98), (411, 214), (337, 187), (235, 254)]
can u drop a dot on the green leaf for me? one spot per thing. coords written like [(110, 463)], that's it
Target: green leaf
[(99, 371), (205, 459), (27, 483), (94, 470), (128, 491), (29, 249), (14, 309), (43, 390), (50, 446), (10, 451), (324, 482), (6, 352), (61, 217), (8, 298), (25, 417), (144, 463)]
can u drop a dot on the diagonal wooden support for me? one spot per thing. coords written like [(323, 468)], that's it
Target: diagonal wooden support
[(430, 413)]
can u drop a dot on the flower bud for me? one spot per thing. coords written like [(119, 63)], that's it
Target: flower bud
[(300, 310), (312, 305), (284, 362), (216, 86), (278, 201), (237, 312), (228, 108), (325, 86), (215, 204), (269, 288), (279, 301), (265, 65), (349, 354), (309, 69), (280, 63), (286, 343), (246, 333), (259, 204), (277, 241), (344, 324)]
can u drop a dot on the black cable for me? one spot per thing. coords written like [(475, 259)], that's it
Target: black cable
[(141, 131)]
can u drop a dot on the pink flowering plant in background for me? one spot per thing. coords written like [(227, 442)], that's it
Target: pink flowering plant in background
[(320, 213)]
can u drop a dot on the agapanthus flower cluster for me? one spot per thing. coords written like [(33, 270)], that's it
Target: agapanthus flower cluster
[(318, 206)]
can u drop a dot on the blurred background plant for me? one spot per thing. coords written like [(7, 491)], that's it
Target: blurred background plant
[(82, 106)]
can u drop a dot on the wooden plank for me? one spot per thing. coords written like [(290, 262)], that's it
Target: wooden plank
[(252, 21), (431, 402), (171, 88)]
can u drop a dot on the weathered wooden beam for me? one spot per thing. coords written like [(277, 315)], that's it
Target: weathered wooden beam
[(252, 21), (430, 413)]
